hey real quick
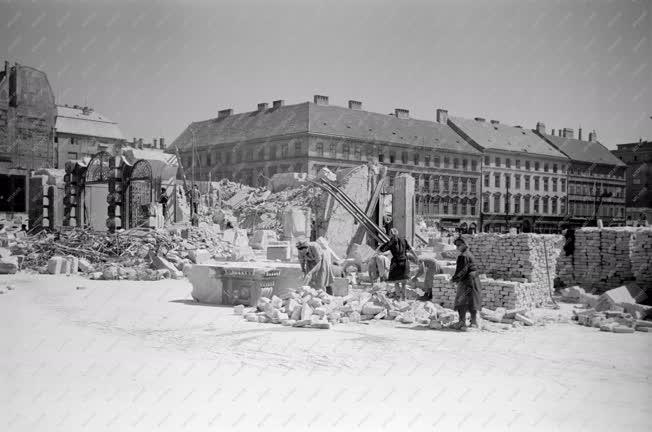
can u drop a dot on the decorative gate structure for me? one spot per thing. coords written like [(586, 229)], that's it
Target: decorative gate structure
[(139, 194), (96, 189), (74, 185)]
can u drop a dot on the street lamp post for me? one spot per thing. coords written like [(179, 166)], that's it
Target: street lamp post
[(507, 219)]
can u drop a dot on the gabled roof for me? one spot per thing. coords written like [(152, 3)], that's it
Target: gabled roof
[(365, 125), (505, 137), (78, 121), (290, 119), (584, 151), (323, 119)]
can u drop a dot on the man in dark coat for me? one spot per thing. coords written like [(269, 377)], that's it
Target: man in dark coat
[(469, 290), (399, 268)]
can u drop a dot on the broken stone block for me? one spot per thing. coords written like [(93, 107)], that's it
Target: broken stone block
[(511, 313), (355, 316), (85, 266), (334, 316), (8, 265), (276, 302), (322, 324), (288, 322), (282, 317), (381, 315), (159, 263), (345, 320), (262, 303), (525, 320), (371, 309), (302, 323), (251, 317), (623, 329), (435, 324), (315, 302), (407, 318), (321, 311), (263, 319), (199, 256), (296, 313), (238, 309), (614, 297), (306, 312), (57, 265)]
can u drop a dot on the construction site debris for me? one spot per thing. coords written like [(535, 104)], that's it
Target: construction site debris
[(134, 254)]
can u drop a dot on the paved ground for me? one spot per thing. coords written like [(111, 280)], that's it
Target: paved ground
[(141, 356)]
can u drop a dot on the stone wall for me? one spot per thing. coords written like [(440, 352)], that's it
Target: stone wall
[(495, 293), (608, 258), (517, 256)]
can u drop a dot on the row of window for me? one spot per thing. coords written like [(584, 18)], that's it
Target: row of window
[(547, 182), (528, 164), (446, 184), (453, 207), (525, 205), (587, 209), (590, 190)]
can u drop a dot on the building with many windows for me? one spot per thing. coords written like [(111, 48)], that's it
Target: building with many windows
[(523, 176), (251, 147), (638, 158), (596, 178), (83, 132)]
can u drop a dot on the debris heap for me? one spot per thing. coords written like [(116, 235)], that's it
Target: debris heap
[(133, 254)]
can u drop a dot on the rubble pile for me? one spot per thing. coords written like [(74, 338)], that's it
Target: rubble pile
[(495, 293), (133, 254), (307, 307), (519, 257), (605, 258)]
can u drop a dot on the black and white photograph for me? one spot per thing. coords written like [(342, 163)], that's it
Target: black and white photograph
[(325, 215)]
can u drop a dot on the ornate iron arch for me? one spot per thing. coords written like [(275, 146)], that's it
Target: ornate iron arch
[(141, 170), (98, 170)]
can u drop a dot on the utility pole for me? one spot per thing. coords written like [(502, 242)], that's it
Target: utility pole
[(192, 174)]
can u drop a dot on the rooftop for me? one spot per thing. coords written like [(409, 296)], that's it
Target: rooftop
[(499, 136), (328, 120), (86, 122), (584, 151)]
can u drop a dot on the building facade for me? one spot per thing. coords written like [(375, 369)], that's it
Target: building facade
[(27, 116), (252, 147), (596, 179), (638, 158), (83, 132), (523, 177)]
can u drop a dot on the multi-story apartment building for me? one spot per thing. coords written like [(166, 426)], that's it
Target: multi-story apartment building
[(306, 137), (596, 178), (638, 158), (82, 132), (523, 177), (27, 116)]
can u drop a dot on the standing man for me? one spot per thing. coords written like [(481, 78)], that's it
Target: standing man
[(469, 290), (196, 196), (399, 268), (164, 203)]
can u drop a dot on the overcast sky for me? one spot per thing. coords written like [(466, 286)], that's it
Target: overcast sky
[(156, 66)]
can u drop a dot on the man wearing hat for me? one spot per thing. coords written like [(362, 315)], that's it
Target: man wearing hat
[(469, 290), (306, 258)]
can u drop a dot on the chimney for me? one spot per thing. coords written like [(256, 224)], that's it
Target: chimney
[(479, 119), (154, 143), (321, 100), (262, 106), (140, 143), (593, 136), (568, 133), (224, 113), (161, 143), (135, 141), (442, 116), (401, 113), (355, 105), (553, 132), (541, 128), (278, 103), (579, 134), (494, 122)]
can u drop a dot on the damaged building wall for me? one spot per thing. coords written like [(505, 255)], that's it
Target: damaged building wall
[(334, 221)]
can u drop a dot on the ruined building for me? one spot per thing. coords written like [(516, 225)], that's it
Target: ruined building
[(27, 119), (251, 147), (596, 178), (638, 158)]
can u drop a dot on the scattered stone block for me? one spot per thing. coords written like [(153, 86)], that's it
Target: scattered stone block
[(199, 256), (623, 329), (306, 312), (8, 265), (238, 309), (323, 324), (525, 320), (85, 266)]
